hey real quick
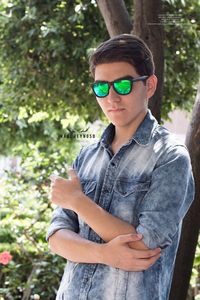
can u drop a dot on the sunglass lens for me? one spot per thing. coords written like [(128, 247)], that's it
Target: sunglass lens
[(101, 89), (123, 87)]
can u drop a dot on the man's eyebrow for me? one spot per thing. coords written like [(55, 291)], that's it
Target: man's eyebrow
[(124, 77)]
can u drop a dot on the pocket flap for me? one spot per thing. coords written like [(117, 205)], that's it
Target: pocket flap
[(126, 188)]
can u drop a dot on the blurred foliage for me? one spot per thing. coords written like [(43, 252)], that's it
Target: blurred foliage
[(182, 54), (24, 215), (45, 95), (44, 73)]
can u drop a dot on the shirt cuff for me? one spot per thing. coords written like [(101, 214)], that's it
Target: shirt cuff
[(150, 239), (55, 227)]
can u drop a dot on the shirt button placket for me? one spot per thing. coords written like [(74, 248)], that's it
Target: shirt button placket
[(111, 174)]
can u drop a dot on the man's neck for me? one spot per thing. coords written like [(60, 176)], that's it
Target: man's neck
[(124, 134)]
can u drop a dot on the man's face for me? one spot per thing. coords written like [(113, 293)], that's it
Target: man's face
[(122, 110)]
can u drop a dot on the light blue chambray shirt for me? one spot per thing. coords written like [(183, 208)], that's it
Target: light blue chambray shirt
[(147, 183)]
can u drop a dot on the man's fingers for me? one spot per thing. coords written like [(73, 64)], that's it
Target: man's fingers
[(127, 238), (147, 263), (146, 254), (143, 264)]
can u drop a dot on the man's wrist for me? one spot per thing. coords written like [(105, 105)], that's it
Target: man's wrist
[(99, 250), (79, 201)]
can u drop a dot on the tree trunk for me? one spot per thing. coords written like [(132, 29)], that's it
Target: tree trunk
[(191, 224), (116, 16), (146, 26)]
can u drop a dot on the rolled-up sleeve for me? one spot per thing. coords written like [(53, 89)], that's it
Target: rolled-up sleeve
[(168, 199), (62, 219)]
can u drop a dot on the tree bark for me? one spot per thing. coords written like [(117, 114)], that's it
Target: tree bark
[(116, 16), (191, 224), (147, 26)]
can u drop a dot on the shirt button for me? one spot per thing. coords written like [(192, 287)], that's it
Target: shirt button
[(113, 164)]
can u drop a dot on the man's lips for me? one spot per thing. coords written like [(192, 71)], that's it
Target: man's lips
[(115, 109)]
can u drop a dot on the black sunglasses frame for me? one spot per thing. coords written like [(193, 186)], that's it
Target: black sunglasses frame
[(111, 83)]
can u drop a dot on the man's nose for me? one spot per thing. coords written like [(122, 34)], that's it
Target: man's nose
[(113, 96)]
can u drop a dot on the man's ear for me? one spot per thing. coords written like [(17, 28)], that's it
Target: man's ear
[(151, 85)]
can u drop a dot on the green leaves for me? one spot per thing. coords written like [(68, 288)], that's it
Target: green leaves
[(181, 55), (44, 65)]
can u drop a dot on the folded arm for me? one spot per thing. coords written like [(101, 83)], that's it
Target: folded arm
[(68, 194), (115, 253)]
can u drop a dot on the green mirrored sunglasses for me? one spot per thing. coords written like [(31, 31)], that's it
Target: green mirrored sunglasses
[(122, 86)]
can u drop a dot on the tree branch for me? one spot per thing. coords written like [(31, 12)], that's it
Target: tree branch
[(27, 290)]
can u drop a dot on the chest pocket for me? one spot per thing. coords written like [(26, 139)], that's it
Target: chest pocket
[(127, 197)]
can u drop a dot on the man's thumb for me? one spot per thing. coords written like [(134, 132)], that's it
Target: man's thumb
[(72, 173)]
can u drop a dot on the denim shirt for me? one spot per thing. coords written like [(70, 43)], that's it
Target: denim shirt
[(147, 183)]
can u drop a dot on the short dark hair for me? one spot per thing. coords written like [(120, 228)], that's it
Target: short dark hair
[(124, 47)]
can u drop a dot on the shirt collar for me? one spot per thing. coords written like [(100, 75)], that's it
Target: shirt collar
[(142, 135)]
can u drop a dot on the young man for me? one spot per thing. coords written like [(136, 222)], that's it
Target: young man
[(119, 215)]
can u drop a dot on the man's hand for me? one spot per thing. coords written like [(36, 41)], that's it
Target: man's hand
[(118, 254), (65, 192)]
